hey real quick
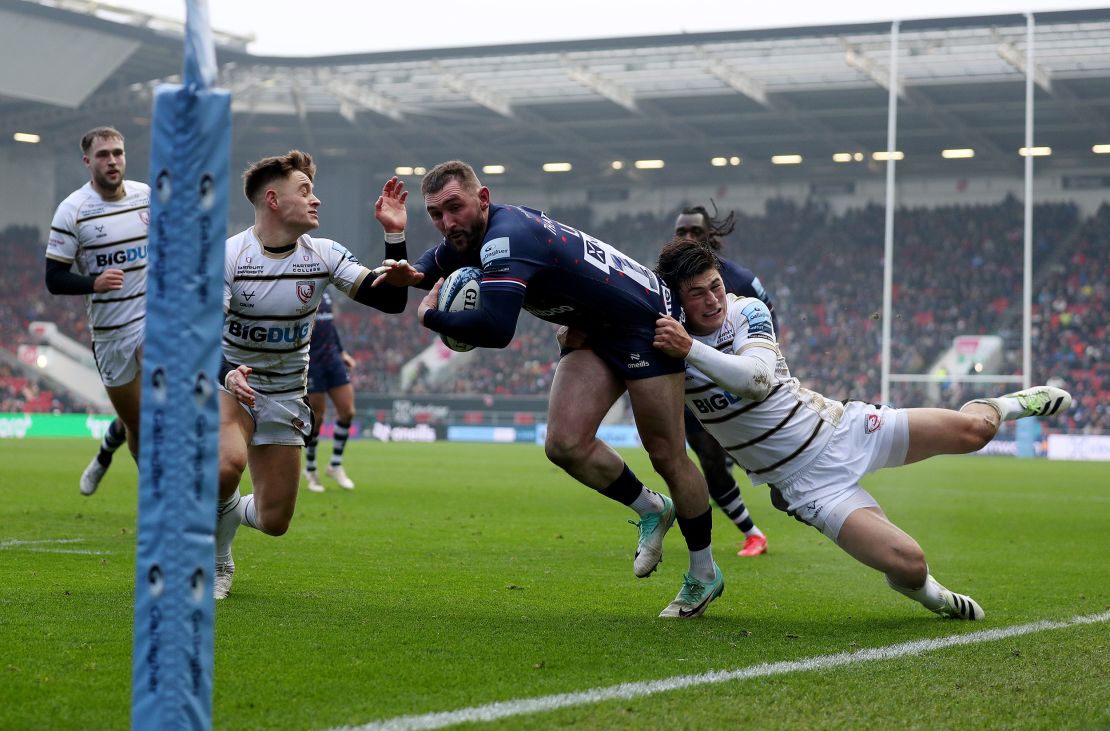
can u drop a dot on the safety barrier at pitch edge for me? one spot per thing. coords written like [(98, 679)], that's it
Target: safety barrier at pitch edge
[(23, 426)]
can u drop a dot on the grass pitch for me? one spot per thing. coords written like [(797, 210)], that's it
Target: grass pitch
[(460, 575)]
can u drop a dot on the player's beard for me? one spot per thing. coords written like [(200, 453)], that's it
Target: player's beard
[(470, 240), (112, 187)]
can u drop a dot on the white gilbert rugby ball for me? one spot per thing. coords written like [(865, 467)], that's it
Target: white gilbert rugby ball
[(459, 293)]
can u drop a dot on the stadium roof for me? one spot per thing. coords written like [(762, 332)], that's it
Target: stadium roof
[(683, 99)]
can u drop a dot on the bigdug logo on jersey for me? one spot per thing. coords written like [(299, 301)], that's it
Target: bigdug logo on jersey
[(123, 256), (715, 402), (260, 334)]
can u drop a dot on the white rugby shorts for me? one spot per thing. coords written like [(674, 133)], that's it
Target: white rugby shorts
[(286, 421), (119, 360), (825, 492)]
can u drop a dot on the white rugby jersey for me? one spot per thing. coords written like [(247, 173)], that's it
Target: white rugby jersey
[(98, 235), (770, 439), (270, 303)]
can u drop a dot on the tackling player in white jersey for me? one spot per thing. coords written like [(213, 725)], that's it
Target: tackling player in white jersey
[(810, 450), (102, 228), (274, 278)]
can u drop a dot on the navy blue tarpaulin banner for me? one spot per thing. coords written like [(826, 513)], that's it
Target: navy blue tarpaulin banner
[(173, 648)]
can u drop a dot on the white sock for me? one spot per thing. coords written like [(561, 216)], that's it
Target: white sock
[(1009, 407), (930, 595), (701, 564), (250, 513), (228, 516), (648, 501), (753, 532)]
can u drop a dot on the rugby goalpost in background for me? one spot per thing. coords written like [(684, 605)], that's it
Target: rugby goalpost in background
[(172, 661), (888, 245)]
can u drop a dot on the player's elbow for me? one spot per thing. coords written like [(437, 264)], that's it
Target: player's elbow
[(497, 339), (759, 386)]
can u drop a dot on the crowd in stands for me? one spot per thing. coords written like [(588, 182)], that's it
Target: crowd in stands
[(27, 394), (958, 271)]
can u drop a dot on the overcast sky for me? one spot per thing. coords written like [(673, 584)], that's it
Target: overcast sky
[(323, 27)]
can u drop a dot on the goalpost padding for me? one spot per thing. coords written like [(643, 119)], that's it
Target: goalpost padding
[(172, 664)]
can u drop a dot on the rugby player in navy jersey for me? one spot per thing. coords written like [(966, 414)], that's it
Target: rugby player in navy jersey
[(568, 277), (696, 223), (812, 451), (328, 377)]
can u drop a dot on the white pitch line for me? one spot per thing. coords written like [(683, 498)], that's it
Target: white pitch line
[(625, 691), (16, 542), (81, 551)]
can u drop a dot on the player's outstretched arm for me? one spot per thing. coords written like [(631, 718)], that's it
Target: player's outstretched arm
[(748, 373), (397, 273)]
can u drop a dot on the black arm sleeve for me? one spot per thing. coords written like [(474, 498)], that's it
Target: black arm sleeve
[(226, 366), (384, 297), (492, 325), (396, 251), (60, 280)]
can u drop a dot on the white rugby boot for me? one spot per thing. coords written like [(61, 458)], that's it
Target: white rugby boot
[(225, 572), (91, 477), (338, 474), (313, 480)]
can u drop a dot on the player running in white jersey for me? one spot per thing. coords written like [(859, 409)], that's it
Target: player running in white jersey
[(810, 450), (102, 228), (274, 278)]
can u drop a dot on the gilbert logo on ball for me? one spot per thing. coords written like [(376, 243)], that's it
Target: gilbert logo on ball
[(459, 293)]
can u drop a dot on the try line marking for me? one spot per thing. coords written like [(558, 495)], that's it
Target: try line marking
[(35, 546), (625, 691)]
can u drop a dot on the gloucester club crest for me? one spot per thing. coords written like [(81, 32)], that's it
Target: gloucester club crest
[(305, 290)]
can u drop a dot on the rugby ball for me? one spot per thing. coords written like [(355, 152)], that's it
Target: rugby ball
[(459, 293)]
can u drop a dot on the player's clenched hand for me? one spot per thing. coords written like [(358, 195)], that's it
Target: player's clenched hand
[(236, 383), (389, 209), (569, 338), (397, 273), (108, 280), (671, 337), (348, 359), (429, 302)]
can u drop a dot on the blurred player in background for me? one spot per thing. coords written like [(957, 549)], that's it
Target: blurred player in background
[(274, 278), (812, 451), (102, 228), (696, 223), (328, 377), (568, 277)]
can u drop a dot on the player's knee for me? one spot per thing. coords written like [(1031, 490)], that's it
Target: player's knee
[(665, 460), (979, 431), (231, 471), (562, 451), (908, 566), (276, 525)]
